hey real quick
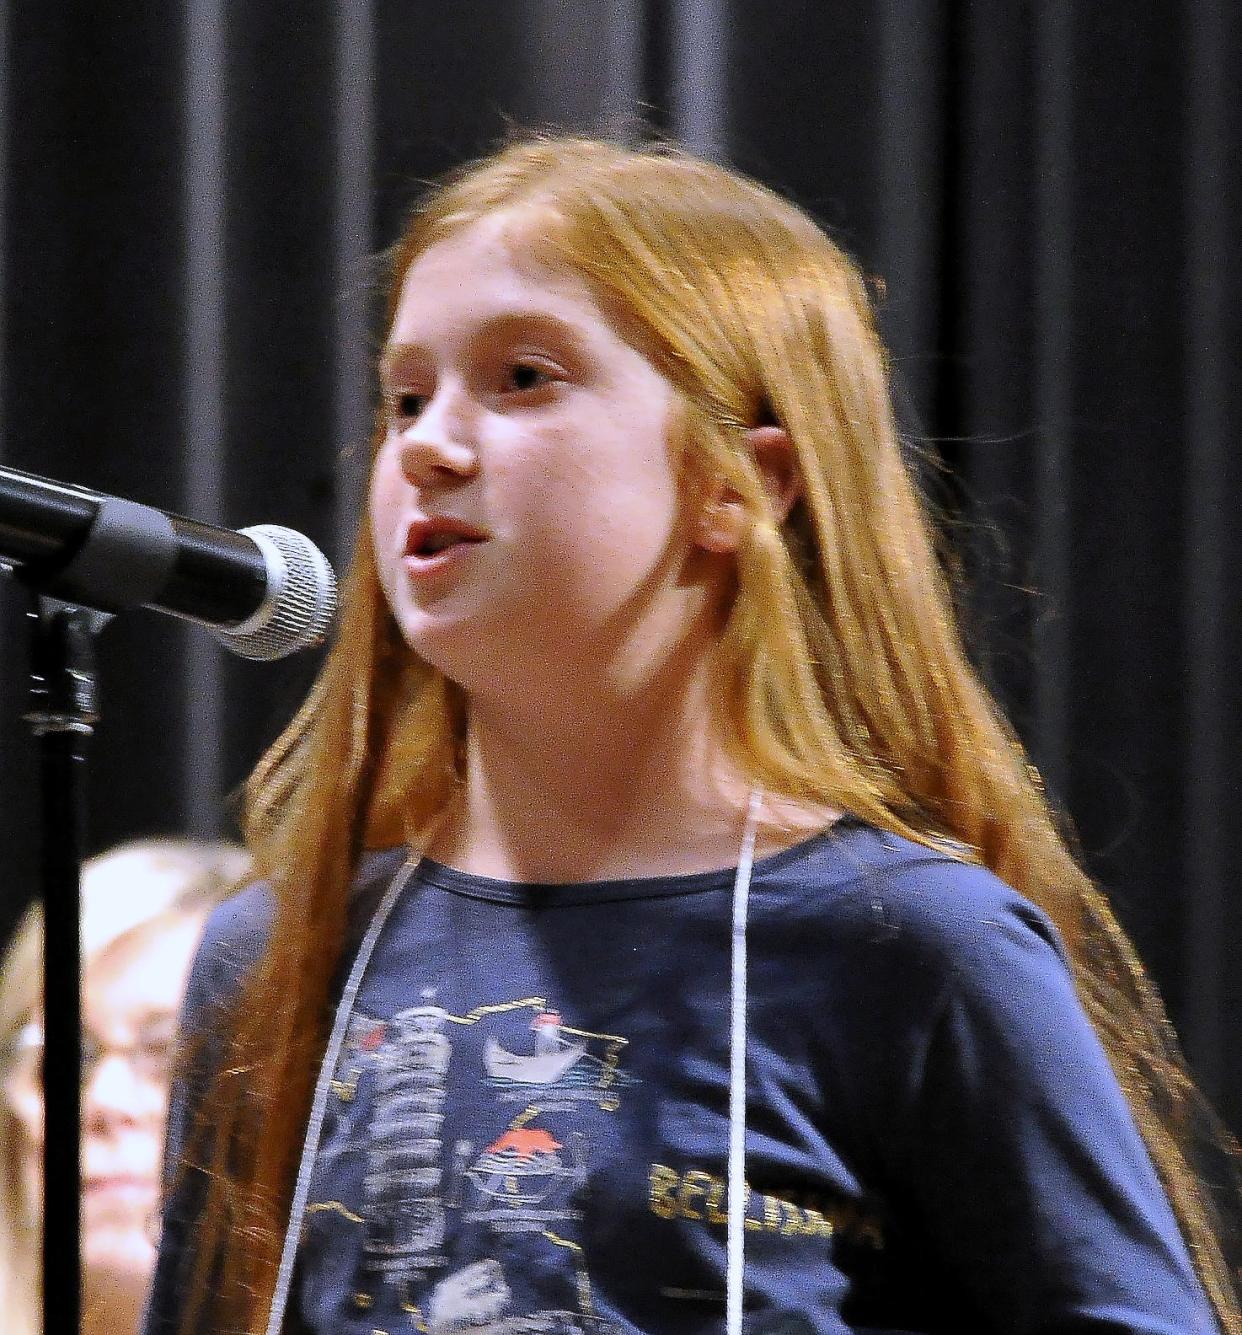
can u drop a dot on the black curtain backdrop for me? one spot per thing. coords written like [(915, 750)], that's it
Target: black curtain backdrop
[(194, 198)]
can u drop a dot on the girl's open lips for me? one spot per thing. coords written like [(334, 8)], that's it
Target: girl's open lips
[(437, 542), (435, 562)]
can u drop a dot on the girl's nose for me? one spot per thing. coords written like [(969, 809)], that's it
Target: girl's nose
[(438, 447), (426, 461)]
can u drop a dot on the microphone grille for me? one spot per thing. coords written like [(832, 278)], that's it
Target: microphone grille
[(301, 597)]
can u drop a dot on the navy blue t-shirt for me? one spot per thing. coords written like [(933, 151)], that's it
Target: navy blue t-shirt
[(527, 1128)]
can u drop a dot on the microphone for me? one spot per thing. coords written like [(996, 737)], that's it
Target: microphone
[(263, 592)]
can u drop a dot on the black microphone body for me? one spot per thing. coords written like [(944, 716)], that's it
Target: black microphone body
[(264, 592)]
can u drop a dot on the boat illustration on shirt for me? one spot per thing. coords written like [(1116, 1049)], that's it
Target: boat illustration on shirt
[(553, 1057)]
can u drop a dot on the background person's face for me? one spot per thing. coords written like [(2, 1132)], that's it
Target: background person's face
[(129, 1004), (130, 1000), (23, 1094)]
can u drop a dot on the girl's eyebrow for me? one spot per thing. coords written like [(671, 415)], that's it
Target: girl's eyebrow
[(568, 338), (392, 358)]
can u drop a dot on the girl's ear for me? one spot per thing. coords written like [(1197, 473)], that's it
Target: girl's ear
[(722, 518)]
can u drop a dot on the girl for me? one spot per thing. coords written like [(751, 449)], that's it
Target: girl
[(638, 952)]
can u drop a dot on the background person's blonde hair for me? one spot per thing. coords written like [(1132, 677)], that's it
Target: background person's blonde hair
[(129, 889), (842, 678)]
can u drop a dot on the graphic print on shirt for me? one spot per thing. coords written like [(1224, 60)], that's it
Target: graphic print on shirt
[(511, 1171), (531, 1175), (563, 1066), (522, 1181), (403, 1186), (476, 1299)]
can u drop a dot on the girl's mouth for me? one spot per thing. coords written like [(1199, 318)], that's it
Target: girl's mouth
[(441, 542), (428, 537), (435, 543)]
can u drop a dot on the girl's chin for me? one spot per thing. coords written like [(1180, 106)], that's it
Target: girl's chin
[(122, 1257), (454, 647)]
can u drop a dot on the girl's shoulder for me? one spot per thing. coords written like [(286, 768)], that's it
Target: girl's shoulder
[(237, 931), (864, 891), (899, 950), (233, 939)]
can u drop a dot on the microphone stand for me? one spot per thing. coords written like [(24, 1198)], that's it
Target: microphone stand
[(63, 710), (109, 553)]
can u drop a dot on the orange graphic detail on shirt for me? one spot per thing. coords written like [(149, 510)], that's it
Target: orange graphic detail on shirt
[(526, 1142)]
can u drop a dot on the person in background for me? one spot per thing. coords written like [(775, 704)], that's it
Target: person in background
[(143, 908)]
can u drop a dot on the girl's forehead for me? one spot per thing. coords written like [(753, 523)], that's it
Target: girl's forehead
[(496, 259), (502, 268)]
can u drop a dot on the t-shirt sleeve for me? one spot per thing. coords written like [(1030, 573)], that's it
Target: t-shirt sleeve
[(1018, 1152)]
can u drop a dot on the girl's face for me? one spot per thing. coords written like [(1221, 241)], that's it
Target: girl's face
[(525, 507)]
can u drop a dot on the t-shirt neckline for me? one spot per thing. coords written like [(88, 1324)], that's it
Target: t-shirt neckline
[(543, 894)]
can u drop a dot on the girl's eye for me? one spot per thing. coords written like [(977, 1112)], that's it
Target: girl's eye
[(408, 404), (526, 376)]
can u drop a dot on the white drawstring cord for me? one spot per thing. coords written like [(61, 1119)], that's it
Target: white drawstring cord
[(735, 1255), (314, 1126)]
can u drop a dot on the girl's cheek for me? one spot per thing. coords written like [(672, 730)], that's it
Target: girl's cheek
[(381, 508)]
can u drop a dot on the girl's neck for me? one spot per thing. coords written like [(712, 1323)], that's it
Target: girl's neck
[(574, 794)]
